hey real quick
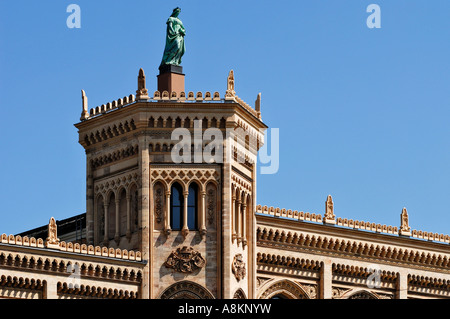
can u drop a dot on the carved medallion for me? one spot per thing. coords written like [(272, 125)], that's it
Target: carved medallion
[(185, 260), (238, 267)]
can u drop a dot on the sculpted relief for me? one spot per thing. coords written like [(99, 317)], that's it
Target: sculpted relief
[(185, 260)]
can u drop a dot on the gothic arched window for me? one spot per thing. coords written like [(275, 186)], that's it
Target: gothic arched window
[(192, 207), (176, 207)]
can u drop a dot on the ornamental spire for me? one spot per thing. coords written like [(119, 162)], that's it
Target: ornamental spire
[(142, 92), (230, 93), (258, 105), (84, 113)]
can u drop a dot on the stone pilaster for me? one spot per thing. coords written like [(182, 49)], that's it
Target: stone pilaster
[(144, 215), (326, 279), (402, 285)]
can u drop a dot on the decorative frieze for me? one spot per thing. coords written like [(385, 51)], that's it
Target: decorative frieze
[(185, 174)]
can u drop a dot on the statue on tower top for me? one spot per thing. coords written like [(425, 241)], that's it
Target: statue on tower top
[(175, 47)]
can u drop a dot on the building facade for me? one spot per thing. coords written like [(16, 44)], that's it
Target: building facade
[(188, 226)]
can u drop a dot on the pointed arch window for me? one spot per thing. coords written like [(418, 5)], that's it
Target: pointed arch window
[(176, 207), (192, 207)]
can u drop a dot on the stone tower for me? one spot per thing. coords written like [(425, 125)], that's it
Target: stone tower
[(174, 176)]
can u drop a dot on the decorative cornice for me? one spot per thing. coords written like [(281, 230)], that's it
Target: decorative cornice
[(286, 261), (295, 240), (94, 292)]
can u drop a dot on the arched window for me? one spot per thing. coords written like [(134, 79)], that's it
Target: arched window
[(192, 207), (176, 207)]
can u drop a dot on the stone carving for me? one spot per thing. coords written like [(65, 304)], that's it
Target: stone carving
[(211, 200), (329, 217), (286, 288), (260, 281), (186, 290), (339, 292), (159, 204), (142, 92), (258, 105), (238, 267), (239, 294), (84, 113), (185, 260), (363, 295), (311, 290), (404, 228), (230, 85), (52, 239)]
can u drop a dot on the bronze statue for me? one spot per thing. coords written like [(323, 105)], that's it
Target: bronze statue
[(175, 47)]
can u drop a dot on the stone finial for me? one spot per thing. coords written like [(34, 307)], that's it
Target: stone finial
[(230, 93), (405, 230), (52, 239), (258, 105), (142, 92), (84, 113), (329, 217)]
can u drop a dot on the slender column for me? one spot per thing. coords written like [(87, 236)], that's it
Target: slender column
[(244, 223), (185, 230), (117, 234), (326, 279), (167, 228), (233, 217), (106, 236), (203, 215), (128, 216), (239, 215)]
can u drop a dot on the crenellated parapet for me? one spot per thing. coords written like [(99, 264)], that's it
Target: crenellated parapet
[(281, 212), (53, 243), (166, 96), (104, 108), (330, 218)]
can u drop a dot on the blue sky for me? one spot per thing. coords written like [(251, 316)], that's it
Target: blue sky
[(363, 113)]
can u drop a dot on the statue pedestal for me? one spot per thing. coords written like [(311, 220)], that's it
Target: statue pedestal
[(171, 79)]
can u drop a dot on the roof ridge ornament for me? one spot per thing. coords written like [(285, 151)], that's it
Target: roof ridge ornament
[(52, 239), (405, 230), (142, 92), (230, 93), (84, 113), (258, 105), (329, 217)]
